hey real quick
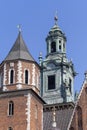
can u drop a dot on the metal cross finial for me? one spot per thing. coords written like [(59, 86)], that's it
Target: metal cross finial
[(19, 27), (56, 17)]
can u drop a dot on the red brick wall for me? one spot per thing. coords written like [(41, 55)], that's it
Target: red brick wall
[(36, 123), (82, 103), (16, 121), (19, 119)]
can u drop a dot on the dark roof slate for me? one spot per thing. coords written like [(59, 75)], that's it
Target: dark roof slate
[(63, 116), (19, 50)]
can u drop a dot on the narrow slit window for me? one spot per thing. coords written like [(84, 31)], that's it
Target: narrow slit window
[(59, 41), (59, 47), (10, 128), (26, 76), (80, 123), (11, 108), (11, 76), (63, 46)]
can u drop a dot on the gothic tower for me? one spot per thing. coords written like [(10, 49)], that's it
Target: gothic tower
[(57, 74), (20, 101), (20, 70)]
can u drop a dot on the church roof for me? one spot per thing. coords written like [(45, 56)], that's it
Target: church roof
[(19, 50), (63, 115)]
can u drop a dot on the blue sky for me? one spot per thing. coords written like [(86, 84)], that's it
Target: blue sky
[(36, 19)]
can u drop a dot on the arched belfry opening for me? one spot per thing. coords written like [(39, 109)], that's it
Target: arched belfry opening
[(53, 47)]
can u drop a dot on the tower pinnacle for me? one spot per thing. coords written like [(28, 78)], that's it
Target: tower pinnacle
[(19, 27), (56, 18)]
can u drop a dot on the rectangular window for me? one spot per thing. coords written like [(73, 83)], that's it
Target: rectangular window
[(51, 82), (26, 76), (59, 47), (53, 47), (11, 76), (10, 108)]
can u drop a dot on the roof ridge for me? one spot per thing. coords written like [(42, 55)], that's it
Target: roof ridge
[(19, 42)]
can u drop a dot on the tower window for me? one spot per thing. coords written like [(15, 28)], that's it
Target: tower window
[(53, 47), (10, 108), (10, 128), (51, 82), (59, 47), (11, 76), (71, 128), (79, 112), (59, 41), (26, 76), (63, 46)]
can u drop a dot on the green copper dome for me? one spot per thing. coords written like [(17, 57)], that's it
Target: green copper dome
[(56, 31)]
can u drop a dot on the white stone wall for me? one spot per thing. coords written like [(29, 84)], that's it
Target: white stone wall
[(4, 78), (19, 75), (28, 111), (33, 74)]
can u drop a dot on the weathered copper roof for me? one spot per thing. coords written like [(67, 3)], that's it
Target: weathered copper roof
[(63, 115), (19, 50), (56, 31)]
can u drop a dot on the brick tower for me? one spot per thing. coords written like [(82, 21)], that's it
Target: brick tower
[(20, 104)]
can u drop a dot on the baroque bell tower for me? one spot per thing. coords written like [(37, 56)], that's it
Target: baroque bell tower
[(57, 75)]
